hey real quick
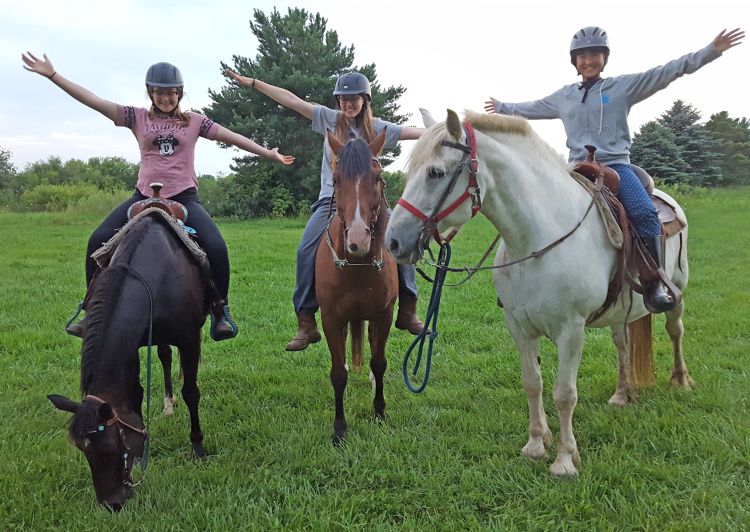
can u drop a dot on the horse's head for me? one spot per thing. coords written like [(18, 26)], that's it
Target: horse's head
[(110, 444), (440, 195), (358, 188)]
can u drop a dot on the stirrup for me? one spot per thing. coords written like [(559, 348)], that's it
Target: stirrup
[(71, 328), (223, 326)]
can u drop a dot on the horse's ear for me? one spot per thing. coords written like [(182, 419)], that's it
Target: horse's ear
[(376, 146), (427, 118), (63, 403), (334, 143), (454, 125)]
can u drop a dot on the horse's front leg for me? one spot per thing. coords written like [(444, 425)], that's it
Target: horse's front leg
[(625, 392), (378, 335), (680, 377), (335, 332), (189, 357), (165, 356), (569, 348), (540, 436)]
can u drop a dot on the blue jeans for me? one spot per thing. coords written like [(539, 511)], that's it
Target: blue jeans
[(638, 205), (304, 290)]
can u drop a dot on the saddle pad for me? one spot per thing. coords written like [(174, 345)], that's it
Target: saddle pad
[(103, 255), (610, 222)]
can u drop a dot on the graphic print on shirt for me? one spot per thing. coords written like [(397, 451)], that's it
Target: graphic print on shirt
[(166, 144)]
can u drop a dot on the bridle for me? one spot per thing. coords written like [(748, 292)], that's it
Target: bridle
[(120, 425), (429, 226), (376, 264)]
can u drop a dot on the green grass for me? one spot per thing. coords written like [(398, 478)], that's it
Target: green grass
[(446, 459)]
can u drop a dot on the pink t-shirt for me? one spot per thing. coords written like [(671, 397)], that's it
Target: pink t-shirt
[(167, 148)]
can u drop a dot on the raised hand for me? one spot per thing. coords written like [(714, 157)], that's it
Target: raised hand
[(283, 159), (726, 40), (43, 67), (489, 106), (242, 80)]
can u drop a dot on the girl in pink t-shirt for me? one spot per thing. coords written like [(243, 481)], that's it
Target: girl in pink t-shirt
[(166, 137)]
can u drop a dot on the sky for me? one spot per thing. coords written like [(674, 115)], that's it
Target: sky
[(448, 54)]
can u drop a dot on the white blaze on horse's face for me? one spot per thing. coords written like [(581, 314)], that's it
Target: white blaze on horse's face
[(358, 233)]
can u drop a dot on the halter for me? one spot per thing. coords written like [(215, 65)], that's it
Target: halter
[(472, 191), (121, 425), (376, 264)]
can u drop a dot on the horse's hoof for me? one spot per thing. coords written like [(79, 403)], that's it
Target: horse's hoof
[(621, 399), (563, 468), (681, 381), (534, 450), (380, 416), (338, 440), (169, 403), (199, 452)]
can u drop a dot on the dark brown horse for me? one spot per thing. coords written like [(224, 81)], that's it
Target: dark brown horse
[(355, 277), (151, 279)]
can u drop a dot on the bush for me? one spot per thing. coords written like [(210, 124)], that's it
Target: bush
[(54, 198)]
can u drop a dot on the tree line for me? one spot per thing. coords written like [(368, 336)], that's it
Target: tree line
[(297, 51)]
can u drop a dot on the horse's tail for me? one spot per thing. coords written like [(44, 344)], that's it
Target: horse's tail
[(641, 351), (357, 328)]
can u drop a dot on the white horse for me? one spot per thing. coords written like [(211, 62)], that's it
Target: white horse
[(527, 193)]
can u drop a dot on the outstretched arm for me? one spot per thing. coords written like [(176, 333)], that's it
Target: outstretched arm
[(410, 133), (282, 96), (726, 40), (489, 106), (44, 67), (228, 136)]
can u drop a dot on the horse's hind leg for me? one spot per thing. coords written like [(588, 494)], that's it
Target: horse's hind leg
[(680, 377), (625, 393), (540, 436), (378, 334), (165, 355), (190, 356)]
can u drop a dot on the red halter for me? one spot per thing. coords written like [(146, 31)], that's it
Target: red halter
[(472, 189)]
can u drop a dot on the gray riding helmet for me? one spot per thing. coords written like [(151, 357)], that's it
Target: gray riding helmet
[(164, 75), (589, 37), (352, 83)]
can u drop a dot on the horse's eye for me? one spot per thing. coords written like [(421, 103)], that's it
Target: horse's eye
[(435, 173)]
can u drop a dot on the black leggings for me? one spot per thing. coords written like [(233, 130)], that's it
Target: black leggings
[(208, 235)]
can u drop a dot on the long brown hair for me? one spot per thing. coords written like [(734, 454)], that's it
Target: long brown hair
[(363, 122), (177, 113)]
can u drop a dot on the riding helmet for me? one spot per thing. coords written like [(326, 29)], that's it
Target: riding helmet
[(164, 75), (352, 83), (589, 37)]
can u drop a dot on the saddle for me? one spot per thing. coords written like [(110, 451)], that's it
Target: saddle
[(635, 264), (174, 208)]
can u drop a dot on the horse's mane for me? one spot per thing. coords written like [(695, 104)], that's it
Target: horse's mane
[(431, 139), (355, 159), (106, 285)]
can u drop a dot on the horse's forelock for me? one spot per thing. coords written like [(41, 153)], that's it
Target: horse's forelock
[(355, 159), (425, 148)]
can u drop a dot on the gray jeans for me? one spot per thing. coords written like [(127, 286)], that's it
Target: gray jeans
[(304, 290)]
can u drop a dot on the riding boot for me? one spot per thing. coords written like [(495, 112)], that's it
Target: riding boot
[(77, 329), (407, 319), (223, 326), (307, 331), (655, 297)]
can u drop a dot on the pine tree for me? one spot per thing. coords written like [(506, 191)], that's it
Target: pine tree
[(296, 51), (655, 149), (733, 137), (698, 148)]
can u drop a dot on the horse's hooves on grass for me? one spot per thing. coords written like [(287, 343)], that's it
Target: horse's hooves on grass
[(380, 416), (681, 382), (199, 452), (338, 440), (621, 399)]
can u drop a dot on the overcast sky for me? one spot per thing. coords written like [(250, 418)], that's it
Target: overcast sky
[(448, 54)]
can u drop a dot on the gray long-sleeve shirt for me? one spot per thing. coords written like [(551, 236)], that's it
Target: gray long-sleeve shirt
[(602, 119)]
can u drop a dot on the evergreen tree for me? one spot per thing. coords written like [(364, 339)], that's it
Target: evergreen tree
[(296, 51), (7, 169), (655, 149), (698, 148), (733, 137)]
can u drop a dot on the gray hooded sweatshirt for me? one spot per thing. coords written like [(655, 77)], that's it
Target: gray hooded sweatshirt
[(602, 119)]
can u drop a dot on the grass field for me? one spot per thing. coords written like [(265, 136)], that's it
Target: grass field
[(446, 459)]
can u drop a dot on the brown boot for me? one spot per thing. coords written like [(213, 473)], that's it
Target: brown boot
[(307, 331), (407, 319)]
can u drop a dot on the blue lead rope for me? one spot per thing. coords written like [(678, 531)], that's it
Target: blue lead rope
[(431, 324)]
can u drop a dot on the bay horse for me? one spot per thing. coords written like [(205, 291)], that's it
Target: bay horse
[(355, 278), (529, 196), (151, 281)]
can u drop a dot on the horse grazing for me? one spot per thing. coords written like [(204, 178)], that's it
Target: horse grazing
[(529, 196), (355, 278), (151, 280)]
